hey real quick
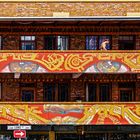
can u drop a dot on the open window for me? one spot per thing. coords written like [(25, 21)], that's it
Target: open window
[(56, 42)]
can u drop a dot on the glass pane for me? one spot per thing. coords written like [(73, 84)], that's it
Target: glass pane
[(28, 46), (91, 42), (104, 42), (33, 38), (28, 38), (23, 46), (22, 38), (62, 42)]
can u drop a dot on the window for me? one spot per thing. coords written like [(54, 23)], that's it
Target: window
[(56, 42), (126, 95), (27, 42), (98, 92), (98, 42), (126, 91), (126, 42), (27, 91), (55, 92), (27, 95), (91, 96), (63, 92), (104, 92), (49, 92)]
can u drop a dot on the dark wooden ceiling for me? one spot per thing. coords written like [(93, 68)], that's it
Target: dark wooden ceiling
[(71, 23), (82, 27)]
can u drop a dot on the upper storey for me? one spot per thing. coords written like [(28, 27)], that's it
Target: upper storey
[(70, 8), (87, 34)]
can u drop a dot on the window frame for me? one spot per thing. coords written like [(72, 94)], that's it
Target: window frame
[(98, 39), (134, 41), (28, 41), (98, 91), (56, 98), (131, 86), (126, 89), (56, 42)]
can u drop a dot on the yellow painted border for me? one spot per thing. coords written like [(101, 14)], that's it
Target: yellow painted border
[(69, 1)]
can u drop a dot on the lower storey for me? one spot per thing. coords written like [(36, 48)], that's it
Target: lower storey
[(65, 132), (70, 87), (88, 136)]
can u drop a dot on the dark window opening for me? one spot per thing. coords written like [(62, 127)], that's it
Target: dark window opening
[(126, 42), (63, 92), (55, 92), (98, 92), (127, 91), (126, 95), (27, 95), (56, 42), (91, 92), (104, 92), (49, 92)]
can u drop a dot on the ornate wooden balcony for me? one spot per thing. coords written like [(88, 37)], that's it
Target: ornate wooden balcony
[(70, 61), (71, 113)]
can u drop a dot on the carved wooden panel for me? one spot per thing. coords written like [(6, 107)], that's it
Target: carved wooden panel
[(10, 91), (10, 42), (77, 91)]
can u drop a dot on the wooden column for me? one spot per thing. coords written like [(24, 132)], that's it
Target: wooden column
[(137, 97), (77, 91), (138, 42), (115, 92), (39, 42), (39, 91), (115, 45), (51, 135), (77, 42)]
